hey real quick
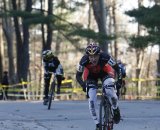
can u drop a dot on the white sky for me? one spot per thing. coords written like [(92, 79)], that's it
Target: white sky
[(131, 4)]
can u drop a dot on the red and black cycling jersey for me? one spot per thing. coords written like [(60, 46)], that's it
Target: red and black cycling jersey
[(107, 69), (98, 71)]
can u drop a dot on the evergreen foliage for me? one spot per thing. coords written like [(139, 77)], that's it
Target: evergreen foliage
[(57, 20), (88, 33), (150, 18), (139, 42)]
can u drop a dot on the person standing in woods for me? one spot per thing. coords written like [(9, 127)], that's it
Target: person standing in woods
[(5, 83)]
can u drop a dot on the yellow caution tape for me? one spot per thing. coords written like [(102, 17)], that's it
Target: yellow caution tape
[(67, 81), (141, 79)]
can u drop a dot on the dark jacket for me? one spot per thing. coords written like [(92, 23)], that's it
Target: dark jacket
[(51, 66), (5, 80)]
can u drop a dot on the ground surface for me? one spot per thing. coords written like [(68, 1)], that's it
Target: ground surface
[(74, 115)]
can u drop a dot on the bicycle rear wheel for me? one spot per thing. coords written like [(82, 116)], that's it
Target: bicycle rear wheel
[(51, 95)]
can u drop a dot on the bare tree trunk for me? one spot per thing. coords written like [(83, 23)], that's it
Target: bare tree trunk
[(18, 43), (149, 63), (158, 67), (49, 26), (138, 71), (110, 28), (42, 27), (8, 31), (115, 29), (99, 9), (1, 53), (9, 38), (89, 18), (25, 45), (22, 46)]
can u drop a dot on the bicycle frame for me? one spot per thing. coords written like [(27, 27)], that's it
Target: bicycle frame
[(51, 92), (105, 113)]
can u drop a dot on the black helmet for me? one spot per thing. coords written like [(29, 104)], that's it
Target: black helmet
[(92, 49), (47, 55)]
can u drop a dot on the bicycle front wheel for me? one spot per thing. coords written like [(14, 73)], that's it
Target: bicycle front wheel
[(102, 116), (109, 123), (51, 95), (105, 115)]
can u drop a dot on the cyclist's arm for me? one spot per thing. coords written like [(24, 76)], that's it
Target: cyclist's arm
[(80, 68), (59, 70), (79, 75), (57, 62), (47, 74), (118, 71), (107, 59), (116, 67)]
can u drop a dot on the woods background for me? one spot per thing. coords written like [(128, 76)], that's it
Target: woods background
[(128, 30)]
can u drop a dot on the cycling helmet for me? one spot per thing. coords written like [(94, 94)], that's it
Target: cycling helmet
[(92, 49), (47, 55)]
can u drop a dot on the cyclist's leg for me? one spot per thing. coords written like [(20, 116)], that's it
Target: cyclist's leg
[(92, 93), (118, 92), (6, 92), (109, 85), (47, 78), (59, 82), (123, 90)]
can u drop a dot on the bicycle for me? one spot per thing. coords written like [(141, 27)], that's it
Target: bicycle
[(51, 92), (105, 113)]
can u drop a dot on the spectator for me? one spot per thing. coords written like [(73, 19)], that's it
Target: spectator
[(5, 84)]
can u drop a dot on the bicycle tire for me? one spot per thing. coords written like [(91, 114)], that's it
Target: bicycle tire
[(110, 118), (105, 115), (102, 115), (51, 95)]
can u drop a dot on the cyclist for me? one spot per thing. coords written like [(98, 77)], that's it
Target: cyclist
[(51, 65), (95, 61), (108, 69), (123, 68)]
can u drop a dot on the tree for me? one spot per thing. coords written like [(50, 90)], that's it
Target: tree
[(149, 17), (99, 10), (23, 19), (1, 54), (7, 29), (22, 43), (49, 26)]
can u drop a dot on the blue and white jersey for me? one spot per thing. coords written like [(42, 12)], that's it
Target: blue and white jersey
[(59, 70), (123, 69)]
